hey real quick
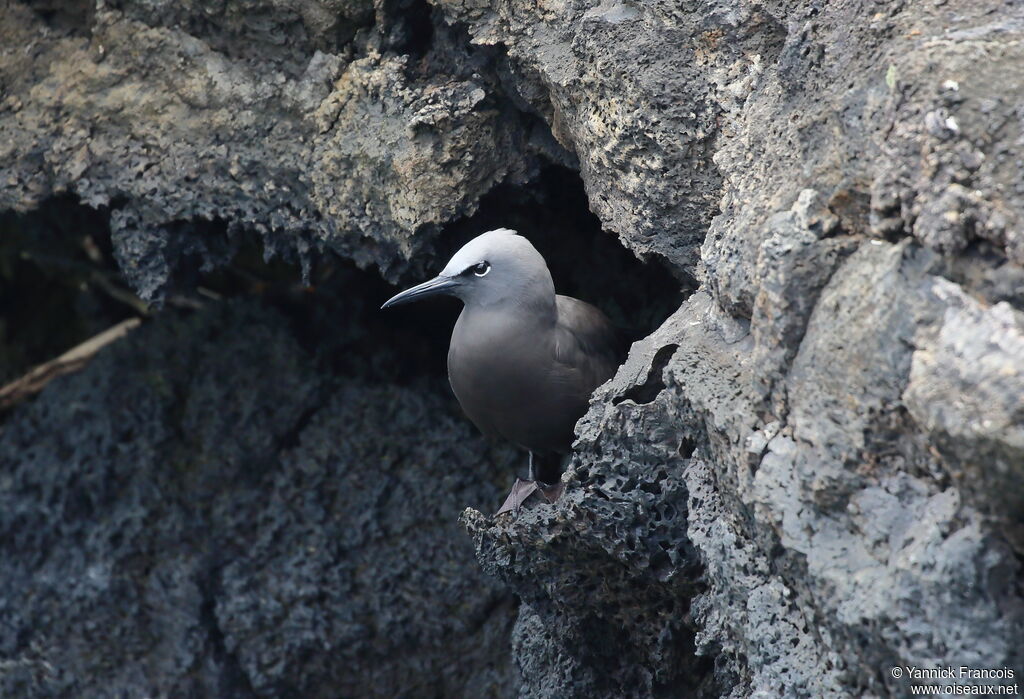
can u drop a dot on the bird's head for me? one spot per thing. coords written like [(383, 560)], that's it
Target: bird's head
[(496, 267)]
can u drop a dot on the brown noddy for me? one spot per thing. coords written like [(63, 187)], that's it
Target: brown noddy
[(523, 360)]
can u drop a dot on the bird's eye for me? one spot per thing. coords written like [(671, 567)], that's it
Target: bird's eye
[(481, 269)]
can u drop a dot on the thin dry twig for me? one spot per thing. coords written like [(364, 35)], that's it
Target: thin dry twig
[(72, 360)]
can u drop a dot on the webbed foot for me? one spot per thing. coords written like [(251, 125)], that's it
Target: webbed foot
[(520, 491)]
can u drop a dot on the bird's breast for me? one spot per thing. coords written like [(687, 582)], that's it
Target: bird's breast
[(508, 383)]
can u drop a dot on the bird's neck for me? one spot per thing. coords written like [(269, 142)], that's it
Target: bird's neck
[(539, 307), (516, 314)]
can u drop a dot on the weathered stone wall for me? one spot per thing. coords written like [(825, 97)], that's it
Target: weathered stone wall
[(809, 473), (207, 511)]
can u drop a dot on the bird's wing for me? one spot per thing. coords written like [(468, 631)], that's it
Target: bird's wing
[(586, 341)]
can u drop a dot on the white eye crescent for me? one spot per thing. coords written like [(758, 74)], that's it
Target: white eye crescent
[(481, 269)]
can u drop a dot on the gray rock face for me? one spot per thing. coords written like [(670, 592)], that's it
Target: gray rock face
[(588, 68), (806, 476), (364, 150), (174, 524)]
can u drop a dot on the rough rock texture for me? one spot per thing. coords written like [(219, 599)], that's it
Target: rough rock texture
[(839, 408), (360, 149), (174, 524), (809, 474)]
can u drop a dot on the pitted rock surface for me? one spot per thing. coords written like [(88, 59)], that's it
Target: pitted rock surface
[(808, 474)]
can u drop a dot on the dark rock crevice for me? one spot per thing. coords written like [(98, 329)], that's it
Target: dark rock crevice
[(586, 261), (59, 283), (654, 383), (232, 681), (71, 17)]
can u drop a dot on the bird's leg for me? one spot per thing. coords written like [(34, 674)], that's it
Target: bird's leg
[(520, 491), (549, 491)]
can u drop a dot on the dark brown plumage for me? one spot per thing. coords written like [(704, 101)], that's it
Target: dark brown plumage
[(528, 377)]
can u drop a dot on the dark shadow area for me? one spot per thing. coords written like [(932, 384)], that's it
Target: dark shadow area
[(585, 261), (984, 269), (337, 316), (59, 284), (66, 17), (411, 27)]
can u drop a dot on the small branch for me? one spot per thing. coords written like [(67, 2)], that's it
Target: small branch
[(94, 275), (118, 294), (72, 360)]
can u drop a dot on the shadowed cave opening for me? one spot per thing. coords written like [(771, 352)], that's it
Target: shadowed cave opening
[(586, 261), (61, 284)]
